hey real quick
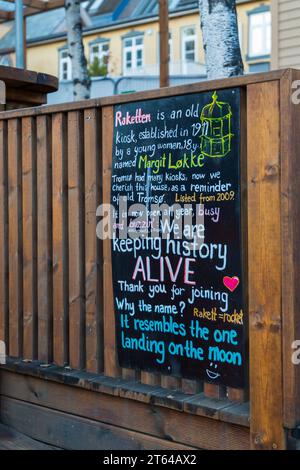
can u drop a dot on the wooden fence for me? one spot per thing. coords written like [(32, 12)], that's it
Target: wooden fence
[(56, 302)]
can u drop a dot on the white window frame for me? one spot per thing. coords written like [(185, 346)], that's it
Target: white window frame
[(65, 60), (265, 28), (5, 60), (241, 31), (171, 45), (171, 50), (101, 54), (187, 38), (134, 49)]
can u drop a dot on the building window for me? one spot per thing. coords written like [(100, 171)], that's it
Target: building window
[(5, 60), (189, 39), (240, 31), (65, 66), (170, 47), (133, 54), (259, 67), (259, 33), (99, 51)]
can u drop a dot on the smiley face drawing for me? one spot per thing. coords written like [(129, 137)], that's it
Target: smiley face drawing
[(212, 374)]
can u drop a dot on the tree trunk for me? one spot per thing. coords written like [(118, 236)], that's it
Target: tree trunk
[(81, 79), (220, 38)]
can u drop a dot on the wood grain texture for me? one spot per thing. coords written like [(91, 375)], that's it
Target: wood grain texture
[(4, 313), (76, 241), (29, 235), (214, 391), (204, 430), (164, 41), (60, 240), (290, 226), (111, 367), (172, 383), (191, 387), (265, 286), (93, 248), (12, 440), (76, 433), (15, 239), (149, 378), (238, 395), (44, 240)]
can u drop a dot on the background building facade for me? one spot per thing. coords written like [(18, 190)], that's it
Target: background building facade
[(121, 40)]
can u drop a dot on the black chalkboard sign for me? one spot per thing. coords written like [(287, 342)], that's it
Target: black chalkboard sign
[(177, 251)]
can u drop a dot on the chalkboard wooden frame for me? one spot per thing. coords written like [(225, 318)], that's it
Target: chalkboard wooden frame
[(129, 121)]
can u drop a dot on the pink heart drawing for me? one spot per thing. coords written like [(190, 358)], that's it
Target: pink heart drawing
[(231, 282)]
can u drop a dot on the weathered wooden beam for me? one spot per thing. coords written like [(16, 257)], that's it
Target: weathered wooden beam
[(164, 42), (19, 96), (264, 247)]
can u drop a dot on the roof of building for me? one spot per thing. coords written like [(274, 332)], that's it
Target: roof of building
[(50, 24)]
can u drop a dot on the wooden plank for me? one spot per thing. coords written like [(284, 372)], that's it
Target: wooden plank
[(214, 391), (12, 440), (15, 239), (204, 430), (172, 383), (29, 175), (75, 433), (264, 267), (4, 314), (111, 367), (116, 387), (31, 98), (150, 379), (28, 79), (191, 387), (60, 240), (44, 240), (93, 247), (237, 394), (76, 241), (129, 374), (290, 216)]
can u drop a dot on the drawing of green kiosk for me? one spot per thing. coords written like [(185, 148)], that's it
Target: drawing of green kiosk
[(216, 119)]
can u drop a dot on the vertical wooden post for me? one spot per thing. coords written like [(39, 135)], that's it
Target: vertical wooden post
[(29, 226), (264, 235), (77, 340), (164, 42), (290, 226), (4, 289), (111, 367), (60, 240), (15, 238), (44, 240)]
